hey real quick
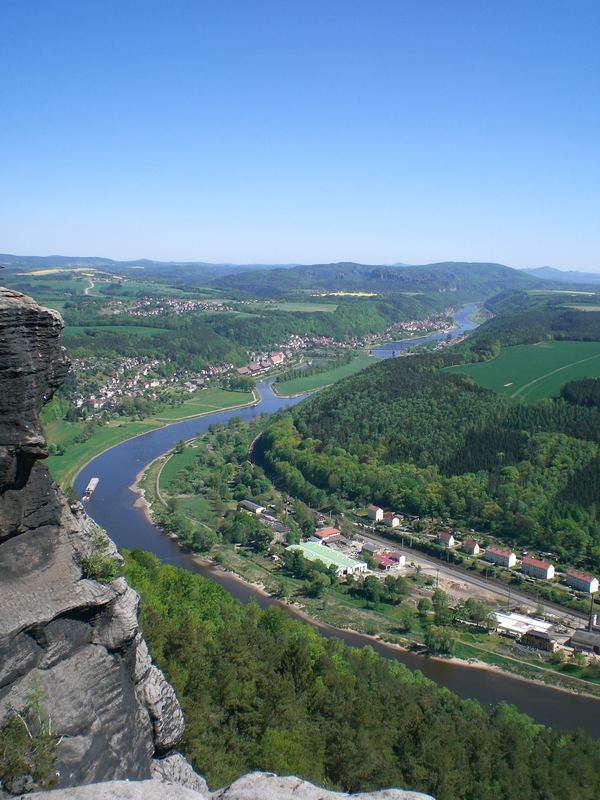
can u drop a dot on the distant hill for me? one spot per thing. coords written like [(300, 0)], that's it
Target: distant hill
[(41, 262), (184, 273), (562, 276), (461, 279)]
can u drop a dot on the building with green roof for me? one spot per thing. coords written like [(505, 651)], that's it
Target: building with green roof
[(314, 551)]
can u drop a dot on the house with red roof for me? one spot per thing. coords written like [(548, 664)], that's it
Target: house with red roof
[(446, 539), (536, 568), (500, 556), (471, 547), (328, 534), (582, 581), (375, 513)]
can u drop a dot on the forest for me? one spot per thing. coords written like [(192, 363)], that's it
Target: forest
[(459, 280), (411, 437), (260, 690)]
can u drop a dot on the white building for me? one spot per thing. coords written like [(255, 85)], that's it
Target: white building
[(581, 581), (375, 513), (537, 568), (500, 556)]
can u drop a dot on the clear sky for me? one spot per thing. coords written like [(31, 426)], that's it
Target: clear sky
[(305, 131)]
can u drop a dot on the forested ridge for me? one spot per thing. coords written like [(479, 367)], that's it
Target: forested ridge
[(412, 437), (263, 691), (463, 281)]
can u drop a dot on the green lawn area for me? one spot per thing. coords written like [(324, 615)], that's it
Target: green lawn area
[(138, 330), (174, 464), (326, 378), (536, 371), (203, 403), (64, 468), (197, 507)]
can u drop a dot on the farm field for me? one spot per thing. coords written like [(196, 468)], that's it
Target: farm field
[(310, 382), (138, 330), (534, 372)]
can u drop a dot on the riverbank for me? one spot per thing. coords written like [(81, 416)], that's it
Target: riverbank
[(391, 620), (338, 611), (523, 671), (310, 383), (65, 468)]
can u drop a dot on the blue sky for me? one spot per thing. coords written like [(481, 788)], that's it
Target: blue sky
[(247, 130)]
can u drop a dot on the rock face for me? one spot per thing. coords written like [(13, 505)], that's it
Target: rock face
[(76, 639), (257, 786)]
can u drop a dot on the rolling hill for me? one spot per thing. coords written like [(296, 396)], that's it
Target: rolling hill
[(461, 280)]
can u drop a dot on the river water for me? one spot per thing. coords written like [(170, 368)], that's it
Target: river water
[(112, 507)]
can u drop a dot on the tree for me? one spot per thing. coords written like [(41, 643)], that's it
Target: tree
[(439, 639), (441, 611), (424, 606), (317, 585)]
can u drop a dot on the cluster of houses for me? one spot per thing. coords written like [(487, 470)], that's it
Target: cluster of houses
[(534, 567), (104, 384), (388, 518), (171, 306), (263, 364)]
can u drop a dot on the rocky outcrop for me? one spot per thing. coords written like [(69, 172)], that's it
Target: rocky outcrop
[(75, 639), (257, 786), (79, 639)]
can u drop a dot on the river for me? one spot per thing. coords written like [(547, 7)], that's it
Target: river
[(112, 507), (465, 323)]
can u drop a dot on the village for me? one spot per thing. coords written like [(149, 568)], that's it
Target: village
[(363, 553), (101, 384)]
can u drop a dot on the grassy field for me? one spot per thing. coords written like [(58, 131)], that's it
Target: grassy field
[(198, 507), (64, 468), (326, 378), (536, 371), (203, 403), (138, 330), (175, 463)]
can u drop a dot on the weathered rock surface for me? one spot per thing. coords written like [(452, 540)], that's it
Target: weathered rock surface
[(257, 786), (77, 638)]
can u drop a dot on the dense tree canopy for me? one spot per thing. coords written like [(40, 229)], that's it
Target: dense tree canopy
[(262, 691)]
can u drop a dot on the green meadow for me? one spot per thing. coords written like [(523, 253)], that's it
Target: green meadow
[(65, 467), (317, 381), (536, 371)]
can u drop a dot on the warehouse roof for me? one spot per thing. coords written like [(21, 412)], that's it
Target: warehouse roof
[(320, 552)]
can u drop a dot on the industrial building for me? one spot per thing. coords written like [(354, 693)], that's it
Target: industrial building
[(586, 641), (331, 558), (516, 625), (251, 508)]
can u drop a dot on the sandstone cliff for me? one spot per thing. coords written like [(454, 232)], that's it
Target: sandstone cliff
[(112, 712)]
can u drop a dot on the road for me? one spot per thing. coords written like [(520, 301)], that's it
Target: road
[(452, 572)]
